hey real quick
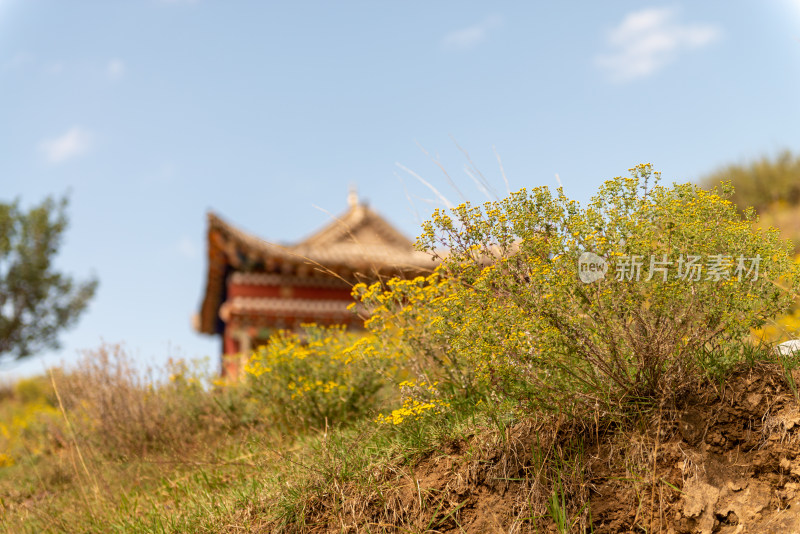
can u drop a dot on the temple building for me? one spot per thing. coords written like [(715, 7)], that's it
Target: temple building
[(254, 287)]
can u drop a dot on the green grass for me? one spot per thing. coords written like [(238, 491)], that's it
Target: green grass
[(239, 473), (238, 476)]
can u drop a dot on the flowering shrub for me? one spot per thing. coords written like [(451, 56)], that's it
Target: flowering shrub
[(783, 327), (30, 424), (411, 318), (665, 274), (322, 375), (412, 407)]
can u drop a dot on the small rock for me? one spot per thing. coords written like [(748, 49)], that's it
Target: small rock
[(734, 486), (754, 399), (788, 347)]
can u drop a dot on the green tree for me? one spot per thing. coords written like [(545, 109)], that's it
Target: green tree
[(36, 301), (772, 187), (761, 183)]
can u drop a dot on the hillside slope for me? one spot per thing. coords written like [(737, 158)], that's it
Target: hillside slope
[(727, 462)]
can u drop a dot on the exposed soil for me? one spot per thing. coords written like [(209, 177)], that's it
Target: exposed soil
[(724, 462), (733, 454)]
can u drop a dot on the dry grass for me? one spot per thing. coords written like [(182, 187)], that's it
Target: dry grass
[(125, 412), (103, 446), (190, 467)]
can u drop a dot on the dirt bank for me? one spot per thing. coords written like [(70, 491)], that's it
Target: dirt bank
[(725, 461)]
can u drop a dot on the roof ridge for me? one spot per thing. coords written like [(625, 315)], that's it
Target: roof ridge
[(351, 221)]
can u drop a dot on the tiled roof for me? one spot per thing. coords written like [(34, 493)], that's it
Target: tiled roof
[(359, 244), (362, 242)]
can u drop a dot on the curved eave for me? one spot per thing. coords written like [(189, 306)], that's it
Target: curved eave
[(230, 248)]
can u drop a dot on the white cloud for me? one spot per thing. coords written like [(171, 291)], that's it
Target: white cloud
[(647, 40), (187, 248), (115, 69), (471, 36), (74, 142)]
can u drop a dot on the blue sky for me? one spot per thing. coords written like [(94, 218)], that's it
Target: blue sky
[(149, 113)]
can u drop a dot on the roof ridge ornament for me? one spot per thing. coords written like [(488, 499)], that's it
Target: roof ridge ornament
[(352, 196)]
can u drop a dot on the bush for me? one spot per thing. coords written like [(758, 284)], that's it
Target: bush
[(30, 424), (762, 183), (410, 318), (124, 412), (516, 309), (317, 377)]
